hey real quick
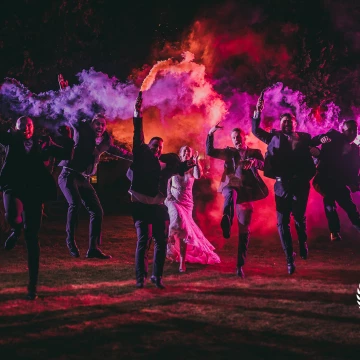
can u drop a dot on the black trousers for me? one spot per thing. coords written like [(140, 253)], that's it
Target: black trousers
[(149, 221), (291, 198), (230, 195), (334, 192), (244, 213), (78, 190), (26, 210)]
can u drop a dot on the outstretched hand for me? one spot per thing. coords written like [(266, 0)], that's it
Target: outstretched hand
[(62, 83), (215, 128), (138, 104)]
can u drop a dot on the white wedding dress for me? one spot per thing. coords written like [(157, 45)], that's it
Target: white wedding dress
[(180, 207)]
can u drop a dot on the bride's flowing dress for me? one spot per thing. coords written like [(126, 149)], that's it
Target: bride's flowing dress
[(182, 224)]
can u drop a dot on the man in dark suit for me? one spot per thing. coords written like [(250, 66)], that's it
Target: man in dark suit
[(338, 174), (91, 140), (240, 185), (149, 174), (26, 184), (288, 160)]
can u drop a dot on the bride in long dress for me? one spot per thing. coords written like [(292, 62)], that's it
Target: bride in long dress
[(186, 240)]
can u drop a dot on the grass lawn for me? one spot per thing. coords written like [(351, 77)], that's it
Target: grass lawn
[(91, 308)]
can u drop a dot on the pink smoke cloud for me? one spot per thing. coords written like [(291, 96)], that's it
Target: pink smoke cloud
[(181, 104)]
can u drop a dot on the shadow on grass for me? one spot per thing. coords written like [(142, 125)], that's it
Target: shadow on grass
[(160, 337)]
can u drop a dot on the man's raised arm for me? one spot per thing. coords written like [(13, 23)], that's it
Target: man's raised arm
[(260, 133), (210, 150), (138, 138), (63, 84)]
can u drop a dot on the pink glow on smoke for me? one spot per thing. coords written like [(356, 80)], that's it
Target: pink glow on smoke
[(181, 105)]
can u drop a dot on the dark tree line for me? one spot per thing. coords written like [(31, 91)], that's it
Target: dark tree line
[(40, 39)]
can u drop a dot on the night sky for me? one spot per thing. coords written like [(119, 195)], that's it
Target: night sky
[(321, 39)]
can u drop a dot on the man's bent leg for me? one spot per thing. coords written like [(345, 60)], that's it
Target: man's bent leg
[(13, 214), (331, 214), (343, 198)]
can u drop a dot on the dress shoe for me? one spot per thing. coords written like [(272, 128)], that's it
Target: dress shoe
[(140, 283), (335, 236), (11, 241), (291, 265), (97, 253), (240, 272), (157, 280), (225, 226), (291, 268), (32, 294), (73, 249), (304, 251)]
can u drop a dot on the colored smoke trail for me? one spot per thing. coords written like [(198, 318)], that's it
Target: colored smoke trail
[(182, 88), (149, 80), (181, 103), (96, 92)]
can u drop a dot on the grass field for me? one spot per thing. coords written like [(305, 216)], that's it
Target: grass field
[(91, 309)]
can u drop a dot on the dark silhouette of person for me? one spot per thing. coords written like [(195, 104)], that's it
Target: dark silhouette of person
[(288, 160), (338, 174), (27, 183), (149, 174), (240, 185)]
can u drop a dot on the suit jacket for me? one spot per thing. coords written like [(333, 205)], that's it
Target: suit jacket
[(145, 173), (281, 160), (26, 173), (87, 153), (248, 183), (333, 163)]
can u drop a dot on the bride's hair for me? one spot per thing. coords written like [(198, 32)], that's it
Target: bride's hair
[(185, 147)]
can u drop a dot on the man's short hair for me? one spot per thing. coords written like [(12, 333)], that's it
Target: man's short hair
[(185, 147), (289, 115), (349, 123), (156, 138), (23, 118), (98, 116), (238, 130)]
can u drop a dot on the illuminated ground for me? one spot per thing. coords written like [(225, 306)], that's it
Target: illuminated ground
[(91, 309)]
